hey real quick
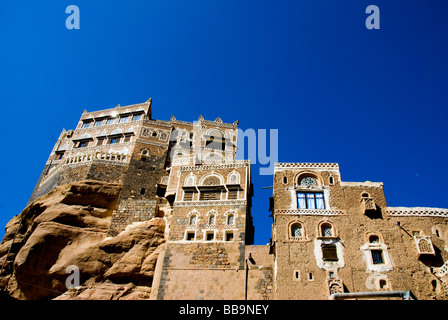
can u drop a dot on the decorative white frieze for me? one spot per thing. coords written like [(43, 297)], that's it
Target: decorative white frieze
[(204, 203), (417, 211), (314, 212), (227, 165)]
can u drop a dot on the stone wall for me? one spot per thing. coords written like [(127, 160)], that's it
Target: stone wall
[(202, 271), (130, 211), (260, 273)]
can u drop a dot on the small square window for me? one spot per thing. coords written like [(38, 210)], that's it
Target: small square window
[(210, 236), (229, 236), (190, 236)]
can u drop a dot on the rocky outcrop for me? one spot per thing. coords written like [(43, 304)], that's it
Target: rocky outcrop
[(67, 228)]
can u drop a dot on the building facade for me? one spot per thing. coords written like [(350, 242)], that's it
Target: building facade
[(330, 238), (336, 237)]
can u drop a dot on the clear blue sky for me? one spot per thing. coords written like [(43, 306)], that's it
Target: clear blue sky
[(375, 101)]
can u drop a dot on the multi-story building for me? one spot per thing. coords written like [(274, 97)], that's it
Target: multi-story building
[(340, 238), (330, 238)]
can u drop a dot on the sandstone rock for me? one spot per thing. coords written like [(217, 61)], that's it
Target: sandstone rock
[(68, 226)]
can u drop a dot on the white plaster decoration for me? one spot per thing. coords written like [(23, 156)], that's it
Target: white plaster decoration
[(328, 265)]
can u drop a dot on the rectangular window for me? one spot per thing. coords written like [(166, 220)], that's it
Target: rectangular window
[(188, 195), (59, 155), (113, 140), (98, 123), (210, 195), (86, 124), (310, 200), (136, 117), (320, 204), (124, 119), (83, 144), (110, 121), (377, 256), (127, 138), (210, 236), (100, 141), (329, 252)]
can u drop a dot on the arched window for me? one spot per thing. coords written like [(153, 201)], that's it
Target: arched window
[(231, 219), (215, 139), (374, 239), (233, 178), (296, 230), (308, 182), (211, 219), (145, 155), (326, 230), (193, 220), (213, 158), (383, 284), (190, 180), (211, 181)]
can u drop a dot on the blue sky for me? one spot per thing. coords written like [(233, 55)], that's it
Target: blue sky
[(375, 101)]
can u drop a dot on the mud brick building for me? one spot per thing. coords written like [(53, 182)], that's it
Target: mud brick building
[(330, 238)]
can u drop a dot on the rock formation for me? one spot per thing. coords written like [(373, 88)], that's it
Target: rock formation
[(68, 227)]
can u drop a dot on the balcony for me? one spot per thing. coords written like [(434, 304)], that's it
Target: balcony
[(367, 204), (424, 245)]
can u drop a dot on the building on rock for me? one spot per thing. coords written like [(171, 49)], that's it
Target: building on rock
[(330, 238)]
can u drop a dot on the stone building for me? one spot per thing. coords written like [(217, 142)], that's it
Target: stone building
[(335, 237), (330, 238)]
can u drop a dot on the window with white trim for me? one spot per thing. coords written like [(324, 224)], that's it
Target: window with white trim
[(310, 200)]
